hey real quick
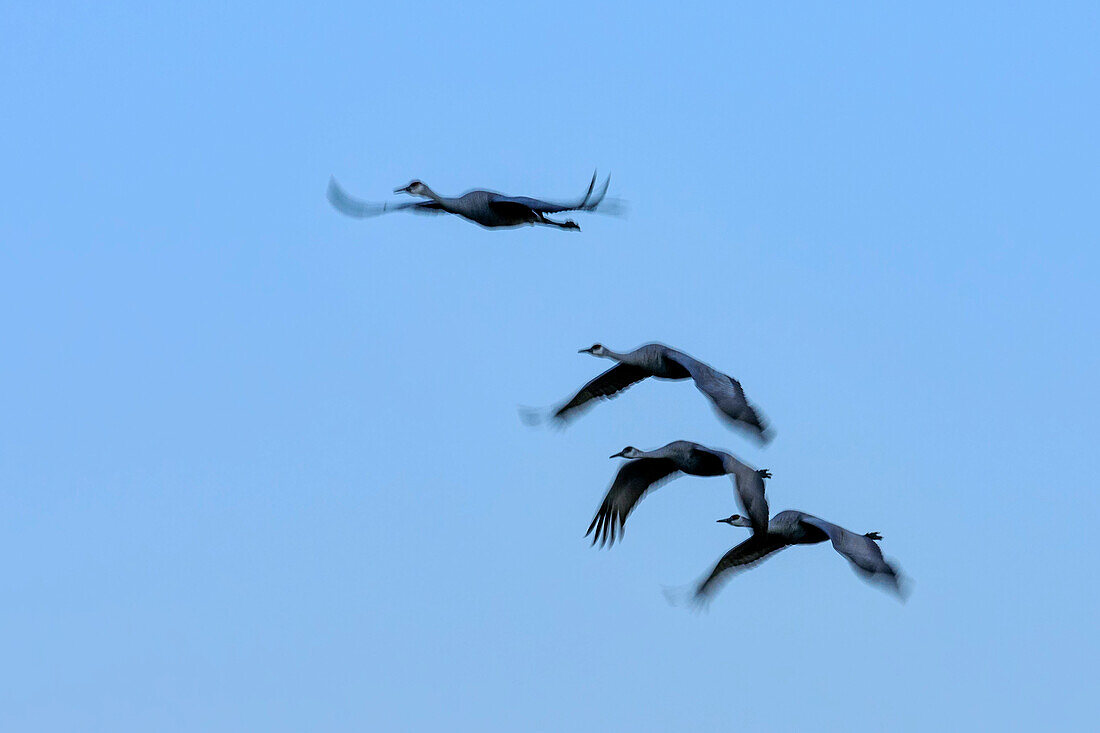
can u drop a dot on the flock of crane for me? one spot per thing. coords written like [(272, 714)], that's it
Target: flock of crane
[(645, 470)]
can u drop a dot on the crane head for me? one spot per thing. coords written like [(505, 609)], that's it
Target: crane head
[(628, 452), (415, 188), (594, 350), (736, 520)]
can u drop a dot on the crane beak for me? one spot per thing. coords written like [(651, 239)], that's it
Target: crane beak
[(404, 189), (585, 351), (618, 455)]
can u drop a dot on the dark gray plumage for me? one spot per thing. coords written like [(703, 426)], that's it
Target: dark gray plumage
[(487, 208), (647, 469), (664, 362), (798, 528)]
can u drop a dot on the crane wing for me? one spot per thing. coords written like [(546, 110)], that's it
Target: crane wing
[(630, 485), (861, 551), (587, 203), (744, 555), (351, 206), (608, 384), (749, 485), (725, 393)]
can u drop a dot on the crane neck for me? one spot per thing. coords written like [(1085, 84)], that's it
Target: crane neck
[(664, 451), (429, 193)]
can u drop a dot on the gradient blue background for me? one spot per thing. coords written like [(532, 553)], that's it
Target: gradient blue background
[(261, 464)]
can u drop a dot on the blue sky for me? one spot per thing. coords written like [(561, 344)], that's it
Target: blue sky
[(261, 465)]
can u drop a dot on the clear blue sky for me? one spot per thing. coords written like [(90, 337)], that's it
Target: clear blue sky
[(260, 464)]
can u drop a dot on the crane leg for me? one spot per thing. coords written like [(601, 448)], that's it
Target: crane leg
[(568, 224)]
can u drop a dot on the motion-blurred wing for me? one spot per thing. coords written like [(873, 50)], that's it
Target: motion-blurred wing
[(750, 490), (749, 485), (359, 209), (748, 553), (726, 394), (608, 384), (587, 203), (631, 483), (861, 551)]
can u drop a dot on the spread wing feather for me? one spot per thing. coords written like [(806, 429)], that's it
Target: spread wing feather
[(744, 555), (608, 384), (630, 485)]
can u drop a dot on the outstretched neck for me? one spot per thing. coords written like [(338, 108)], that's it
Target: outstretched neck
[(673, 450), (430, 194), (614, 355)]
